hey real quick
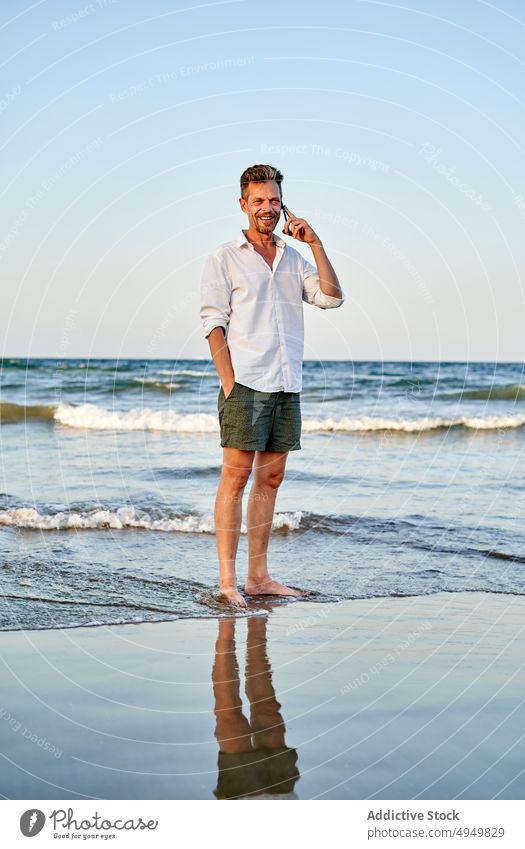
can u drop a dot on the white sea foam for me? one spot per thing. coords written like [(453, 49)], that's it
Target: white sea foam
[(364, 423), (189, 373), (126, 517), (159, 384), (92, 417)]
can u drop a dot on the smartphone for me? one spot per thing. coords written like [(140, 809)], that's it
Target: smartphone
[(285, 214)]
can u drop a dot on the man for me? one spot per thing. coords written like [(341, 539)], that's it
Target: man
[(252, 295)]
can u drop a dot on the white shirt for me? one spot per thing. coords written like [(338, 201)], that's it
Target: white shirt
[(261, 310)]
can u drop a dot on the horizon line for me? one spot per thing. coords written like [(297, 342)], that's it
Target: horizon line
[(208, 359)]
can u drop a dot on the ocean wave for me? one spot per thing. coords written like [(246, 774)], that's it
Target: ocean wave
[(24, 364), (188, 373), (131, 384), (367, 423), (357, 529), (20, 412), (512, 392), (93, 417), (124, 518), (154, 383)]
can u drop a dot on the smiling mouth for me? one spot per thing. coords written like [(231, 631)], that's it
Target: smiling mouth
[(267, 217)]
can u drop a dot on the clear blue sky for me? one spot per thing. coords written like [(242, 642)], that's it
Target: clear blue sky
[(399, 129)]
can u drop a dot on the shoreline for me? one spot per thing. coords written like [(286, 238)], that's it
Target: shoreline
[(258, 608)]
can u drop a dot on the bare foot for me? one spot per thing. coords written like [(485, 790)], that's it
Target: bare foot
[(269, 587), (232, 596)]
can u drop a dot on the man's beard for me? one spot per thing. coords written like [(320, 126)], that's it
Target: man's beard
[(265, 226)]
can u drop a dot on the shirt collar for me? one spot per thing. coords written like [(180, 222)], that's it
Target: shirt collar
[(242, 240)]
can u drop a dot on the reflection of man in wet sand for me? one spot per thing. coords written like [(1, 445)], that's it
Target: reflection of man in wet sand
[(253, 756), (252, 294)]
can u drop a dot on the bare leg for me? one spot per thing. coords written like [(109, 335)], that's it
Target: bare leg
[(236, 470), (268, 474), (265, 711), (233, 731)]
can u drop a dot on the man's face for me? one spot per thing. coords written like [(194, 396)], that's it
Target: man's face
[(263, 206)]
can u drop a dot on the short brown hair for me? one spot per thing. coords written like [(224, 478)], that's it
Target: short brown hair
[(260, 174)]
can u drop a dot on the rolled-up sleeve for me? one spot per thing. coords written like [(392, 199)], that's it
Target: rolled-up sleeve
[(312, 292), (215, 306)]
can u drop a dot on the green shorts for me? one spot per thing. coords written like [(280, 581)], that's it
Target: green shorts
[(245, 774), (259, 421)]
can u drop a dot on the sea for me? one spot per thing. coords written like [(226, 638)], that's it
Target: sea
[(410, 482)]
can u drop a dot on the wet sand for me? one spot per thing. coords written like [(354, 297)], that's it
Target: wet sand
[(393, 698)]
